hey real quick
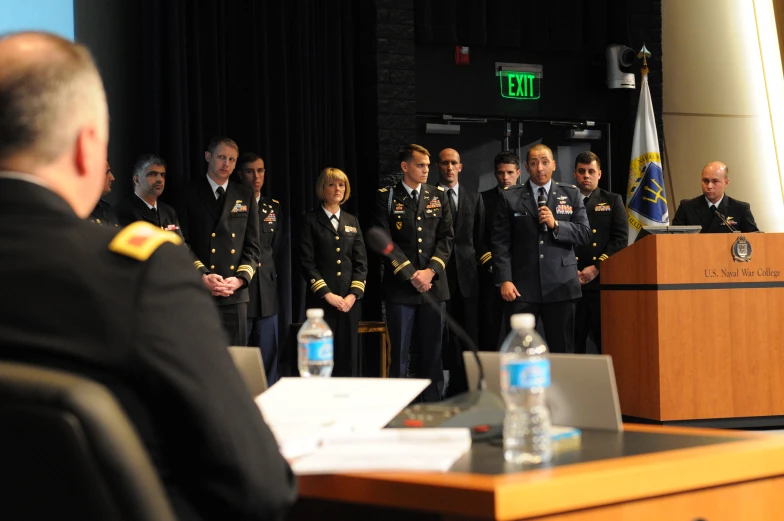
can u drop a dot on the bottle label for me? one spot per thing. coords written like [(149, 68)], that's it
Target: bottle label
[(320, 350), (525, 374)]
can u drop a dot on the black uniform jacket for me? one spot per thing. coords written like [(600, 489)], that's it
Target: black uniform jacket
[(103, 214), (609, 232), (697, 212), (130, 312), (263, 288), (332, 261), (223, 240), (470, 246), (542, 266), (423, 235), (132, 209)]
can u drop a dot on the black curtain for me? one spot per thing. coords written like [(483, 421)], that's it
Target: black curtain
[(284, 80)]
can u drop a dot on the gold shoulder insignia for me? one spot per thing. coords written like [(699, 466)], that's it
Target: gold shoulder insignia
[(440, 188), (140, 240), (382, 189), (276, 201)]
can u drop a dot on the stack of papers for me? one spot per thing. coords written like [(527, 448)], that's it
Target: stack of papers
[(326, 425)]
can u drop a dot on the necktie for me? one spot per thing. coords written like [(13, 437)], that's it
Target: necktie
[(713, 209), (414, 195), (452, 205), (157, 217), (334, 221), (542, 192), (585, 201), (221, 193)]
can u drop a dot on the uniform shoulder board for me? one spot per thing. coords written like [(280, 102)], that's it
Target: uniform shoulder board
[(276, 201), (440, 188), (140, 240), (383, 189)]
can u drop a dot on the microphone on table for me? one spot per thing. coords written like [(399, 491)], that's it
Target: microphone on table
[(471, 409), (725, 221), (540, 202)]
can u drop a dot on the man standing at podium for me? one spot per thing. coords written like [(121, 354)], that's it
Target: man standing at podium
[(609, 235), (704, 211)]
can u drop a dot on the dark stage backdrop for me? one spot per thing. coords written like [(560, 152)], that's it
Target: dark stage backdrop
[(283, 79)]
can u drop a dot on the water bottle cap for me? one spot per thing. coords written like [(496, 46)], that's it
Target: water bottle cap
[(315, 313), (523, 321)]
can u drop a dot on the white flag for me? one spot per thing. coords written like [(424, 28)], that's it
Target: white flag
[(646, 201)]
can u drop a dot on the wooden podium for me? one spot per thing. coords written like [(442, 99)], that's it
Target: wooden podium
[(693, 333)]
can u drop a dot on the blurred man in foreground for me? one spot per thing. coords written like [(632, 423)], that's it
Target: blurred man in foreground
[(123, 308)]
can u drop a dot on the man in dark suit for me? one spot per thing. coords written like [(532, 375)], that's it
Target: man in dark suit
[(702, 210), (149, 180), (221, 224), (493, 326), (263, 288), (533, 252), (419, 220), (121, 308), (103, 213), (609, 235), (468, 252)]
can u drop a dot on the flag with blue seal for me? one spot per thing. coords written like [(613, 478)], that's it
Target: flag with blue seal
[(646, 200)]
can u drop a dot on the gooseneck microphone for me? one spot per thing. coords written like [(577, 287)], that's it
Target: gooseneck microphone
[(725, 221), (379, 241), (542, 201)]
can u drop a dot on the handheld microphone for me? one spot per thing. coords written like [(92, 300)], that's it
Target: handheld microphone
[(542, 201), (381, 243), (725, 221)]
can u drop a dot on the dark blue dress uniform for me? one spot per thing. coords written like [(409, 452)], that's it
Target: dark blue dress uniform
[(492, 324), (103, 214), (469, 255), (697, 212), (335, 261), (542, 265), (609, 235), (133, 209), (128, 310), (423, 235), (224, 240), (263, 289)]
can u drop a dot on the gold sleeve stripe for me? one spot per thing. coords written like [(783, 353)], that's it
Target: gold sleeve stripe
[(318, 286), (395, 264), (401, 267), (486, 257), (247, 269), (604, 257), (319, 281), (198, 264), (357, 284), (443, 266)]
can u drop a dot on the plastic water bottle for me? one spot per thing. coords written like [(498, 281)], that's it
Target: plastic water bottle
[(315, 347), (525, 377)]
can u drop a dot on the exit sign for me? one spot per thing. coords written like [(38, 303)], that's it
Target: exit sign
[(520, 85)]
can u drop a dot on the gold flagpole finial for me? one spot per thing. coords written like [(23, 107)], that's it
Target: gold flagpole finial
[(644, 54)]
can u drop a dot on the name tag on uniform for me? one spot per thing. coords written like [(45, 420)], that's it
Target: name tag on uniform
[(521, 214), (398, 212)]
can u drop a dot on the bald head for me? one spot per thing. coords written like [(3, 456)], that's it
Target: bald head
[(449, 166), (715, 177), (53, 114)]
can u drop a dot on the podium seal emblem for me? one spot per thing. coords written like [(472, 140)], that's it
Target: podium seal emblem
[(741, 250)]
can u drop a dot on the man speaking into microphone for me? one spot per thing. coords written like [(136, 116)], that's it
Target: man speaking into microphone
[(715, 211), (535, 228)]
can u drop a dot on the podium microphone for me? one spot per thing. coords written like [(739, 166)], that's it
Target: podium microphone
[(470, 409), (725, 221), (540, 202)]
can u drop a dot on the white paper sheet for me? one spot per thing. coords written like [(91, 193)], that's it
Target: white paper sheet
[(303, 411)]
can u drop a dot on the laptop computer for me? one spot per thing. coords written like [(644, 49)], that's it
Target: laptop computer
[(582, 390)]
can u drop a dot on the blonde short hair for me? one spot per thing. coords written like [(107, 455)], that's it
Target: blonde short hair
[(330, 174)]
